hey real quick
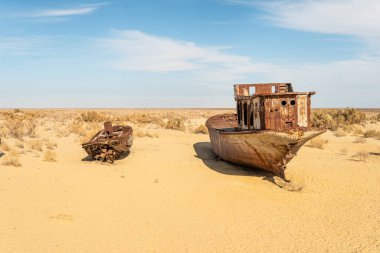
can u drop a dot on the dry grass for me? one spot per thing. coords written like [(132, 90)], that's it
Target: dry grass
[(340, 133), (146, 118), (4, 146), (372, 134), (19, 124), (317, 143), (50, 145), (141, 134), (175, 124), (332, 119), (360, 140), (201, 129), (361, 156), (50, 156), (11, 159), (35, 144), (93, 116)]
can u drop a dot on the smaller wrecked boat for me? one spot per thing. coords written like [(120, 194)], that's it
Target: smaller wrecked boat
[(109, 143), (271, 125)]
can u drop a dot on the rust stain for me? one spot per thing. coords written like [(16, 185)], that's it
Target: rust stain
[(271, 124), (110, 143)]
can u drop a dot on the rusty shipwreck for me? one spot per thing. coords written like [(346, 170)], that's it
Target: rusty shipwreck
[(110, 143), (271, 125)]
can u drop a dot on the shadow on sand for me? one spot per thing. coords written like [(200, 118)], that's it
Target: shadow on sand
[(90, 159), (210, 159)]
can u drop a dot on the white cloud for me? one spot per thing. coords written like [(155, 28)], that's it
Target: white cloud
[(63, 12), (338, 83), (138, 51), (346, 17)]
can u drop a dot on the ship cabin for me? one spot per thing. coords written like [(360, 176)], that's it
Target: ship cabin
[(271, 106)]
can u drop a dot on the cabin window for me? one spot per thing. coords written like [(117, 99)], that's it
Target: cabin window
[(292, 102), (283, 102), (273, 89), (252, 90), (245, 114)]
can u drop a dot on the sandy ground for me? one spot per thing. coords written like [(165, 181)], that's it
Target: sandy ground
[(171, 195)]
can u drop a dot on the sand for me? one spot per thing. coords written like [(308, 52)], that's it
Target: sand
[(171, 195)]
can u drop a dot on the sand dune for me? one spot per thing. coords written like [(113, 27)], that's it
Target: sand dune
[(171, 194)]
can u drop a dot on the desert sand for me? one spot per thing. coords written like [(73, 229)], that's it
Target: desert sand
[(171, 194)]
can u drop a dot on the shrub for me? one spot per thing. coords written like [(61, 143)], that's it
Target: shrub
[(372, 134), (11, 159), (35, 144), (175, 124), (201, 129), (317, 143), (20, 124), (93, 116), (331, 119), (340, 133), (50, 156), (146, 118), (323, 119), (4, 146)]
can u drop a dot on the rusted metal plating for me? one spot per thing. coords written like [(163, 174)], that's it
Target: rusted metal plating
[(271, 125), (272, 106), (109, 143)]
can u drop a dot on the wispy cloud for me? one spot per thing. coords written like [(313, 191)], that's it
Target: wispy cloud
[(346, 17), (215, 68), (138, 51), (63, 12)]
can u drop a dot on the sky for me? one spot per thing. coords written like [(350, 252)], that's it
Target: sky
[(178, 53)]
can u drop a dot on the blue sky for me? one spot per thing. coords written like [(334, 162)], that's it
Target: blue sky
[(179, 53)]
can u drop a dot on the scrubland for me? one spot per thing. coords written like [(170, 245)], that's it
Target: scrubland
[(171, 194)]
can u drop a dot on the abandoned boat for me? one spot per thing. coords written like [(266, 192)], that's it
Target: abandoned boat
[(271, 125), (109, 143)]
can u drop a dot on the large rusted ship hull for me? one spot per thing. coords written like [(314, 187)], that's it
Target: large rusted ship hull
[(268, 150)]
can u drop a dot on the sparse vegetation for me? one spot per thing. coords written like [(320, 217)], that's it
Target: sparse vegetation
[(372, 134), (317, 143), (360, 140), (175, 124), (332, 119), (11, 159), (50, 145), (141, 133), (340, 133), (35, 144), (50, 156), (201, 129), (93, 116), (361, 156), (4, 146)]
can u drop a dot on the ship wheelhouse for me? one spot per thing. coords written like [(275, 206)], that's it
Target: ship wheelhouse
[(271, 106)]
